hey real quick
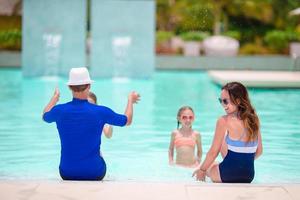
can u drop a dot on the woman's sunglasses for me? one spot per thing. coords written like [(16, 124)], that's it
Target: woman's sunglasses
[(223, 101), (187, 117)]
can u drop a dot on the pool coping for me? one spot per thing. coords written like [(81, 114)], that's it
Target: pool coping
[(137, 190), (259, 79)]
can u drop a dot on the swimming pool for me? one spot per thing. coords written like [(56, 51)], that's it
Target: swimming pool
[(30, 149)]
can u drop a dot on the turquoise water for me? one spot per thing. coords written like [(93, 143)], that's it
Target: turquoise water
[(30, 149)]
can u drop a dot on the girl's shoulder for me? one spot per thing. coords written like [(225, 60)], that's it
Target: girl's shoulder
[(175, 132), (196, 133)]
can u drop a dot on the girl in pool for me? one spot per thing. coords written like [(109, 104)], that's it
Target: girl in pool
[(237, 137), (185, 139), (107, 129)]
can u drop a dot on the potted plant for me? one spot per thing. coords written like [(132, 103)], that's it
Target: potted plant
[(233, 34), (163, 40), (294, 46), (192, 42), (11, 39), (277, 41), (177, 43)]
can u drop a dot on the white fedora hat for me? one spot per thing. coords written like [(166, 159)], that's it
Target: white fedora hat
[(79, 76)]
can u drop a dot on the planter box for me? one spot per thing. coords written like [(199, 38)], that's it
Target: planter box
[(295, 49), (176, 43), (220, 46), (191, 48)]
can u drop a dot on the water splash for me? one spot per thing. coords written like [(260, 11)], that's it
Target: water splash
[(52, 53), (121, 46)]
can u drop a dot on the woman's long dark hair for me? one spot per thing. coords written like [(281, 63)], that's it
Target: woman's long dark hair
[(239, 96)]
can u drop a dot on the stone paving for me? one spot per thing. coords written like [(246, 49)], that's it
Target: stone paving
[(114, 190)]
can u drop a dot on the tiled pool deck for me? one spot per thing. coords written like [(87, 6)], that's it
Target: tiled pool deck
[(108, 190), (263, 79)]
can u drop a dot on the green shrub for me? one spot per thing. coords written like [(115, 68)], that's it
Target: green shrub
[(163, 45), (194, 16), (11, 39), (163, 36), (277, 40), (253, 49), (293, 36), (194, 36), (233, 34)]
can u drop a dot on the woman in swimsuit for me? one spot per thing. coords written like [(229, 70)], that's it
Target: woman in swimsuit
[(185, 139), (237, 137)]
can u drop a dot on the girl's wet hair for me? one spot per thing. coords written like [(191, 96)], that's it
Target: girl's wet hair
[(239, 96), (93, 96), (183, 108)]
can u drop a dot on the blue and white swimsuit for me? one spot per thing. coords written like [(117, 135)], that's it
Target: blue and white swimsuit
[(238, 164)]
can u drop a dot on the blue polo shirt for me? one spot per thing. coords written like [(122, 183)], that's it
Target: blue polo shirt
[(80, 125)]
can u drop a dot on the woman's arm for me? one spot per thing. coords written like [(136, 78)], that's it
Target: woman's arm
[(224, 148), (213, 151), (259, 149), (171, 149)]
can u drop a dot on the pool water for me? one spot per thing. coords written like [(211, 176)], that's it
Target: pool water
[(30, 148)]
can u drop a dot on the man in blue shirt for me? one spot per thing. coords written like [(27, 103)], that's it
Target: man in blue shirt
[(80, 125)]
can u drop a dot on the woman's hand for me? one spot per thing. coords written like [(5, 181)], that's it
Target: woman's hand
[(200, 174), (134, 97), (171, 162)]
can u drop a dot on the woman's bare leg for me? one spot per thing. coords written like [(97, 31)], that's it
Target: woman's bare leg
[(213, 173)]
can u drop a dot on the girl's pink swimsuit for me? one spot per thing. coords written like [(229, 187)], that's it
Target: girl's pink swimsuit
[(180, 140)]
